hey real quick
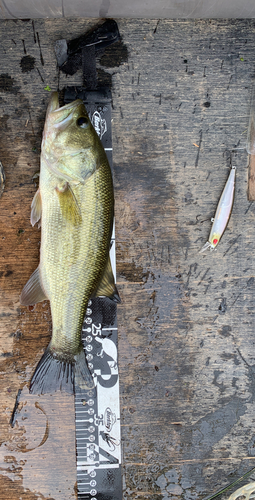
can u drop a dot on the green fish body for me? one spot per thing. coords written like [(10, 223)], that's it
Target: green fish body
[(75, 204)]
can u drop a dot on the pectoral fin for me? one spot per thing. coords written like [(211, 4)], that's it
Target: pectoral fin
[(36, 208), (69, 204), (107, 287), (33, 291)]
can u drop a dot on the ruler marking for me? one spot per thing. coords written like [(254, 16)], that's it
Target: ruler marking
[(86, 420), (83, 411), (104, 329)]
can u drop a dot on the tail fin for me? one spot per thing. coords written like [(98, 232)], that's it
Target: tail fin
[(57, 372)]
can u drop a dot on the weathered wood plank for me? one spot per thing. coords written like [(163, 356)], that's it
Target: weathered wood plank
[(186, 322)]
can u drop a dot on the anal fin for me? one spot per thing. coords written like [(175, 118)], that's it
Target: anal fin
[(33, 291), (107, 287)]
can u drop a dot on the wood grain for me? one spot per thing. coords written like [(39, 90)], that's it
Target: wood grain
[(181, 93)]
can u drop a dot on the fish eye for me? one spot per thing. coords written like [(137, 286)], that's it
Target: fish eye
[(83, 122)]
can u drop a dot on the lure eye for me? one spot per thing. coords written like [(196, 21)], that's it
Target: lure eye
[(83, 122), (215, 241)]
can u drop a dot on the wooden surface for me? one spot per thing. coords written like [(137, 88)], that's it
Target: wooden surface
[(181, 93)]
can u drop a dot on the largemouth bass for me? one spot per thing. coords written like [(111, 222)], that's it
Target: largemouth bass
[(75, 205)]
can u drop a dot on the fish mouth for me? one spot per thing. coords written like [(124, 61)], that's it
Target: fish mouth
[(62, 116)]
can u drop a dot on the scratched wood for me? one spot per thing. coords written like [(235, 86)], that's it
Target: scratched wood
[(181, 93)]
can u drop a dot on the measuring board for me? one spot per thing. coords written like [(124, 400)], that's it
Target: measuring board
[(97, 412)]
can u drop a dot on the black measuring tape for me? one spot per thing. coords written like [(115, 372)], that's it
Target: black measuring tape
[(97, 412)]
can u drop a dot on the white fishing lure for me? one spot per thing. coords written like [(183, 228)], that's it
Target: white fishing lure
[(247, 492), (223, 212)]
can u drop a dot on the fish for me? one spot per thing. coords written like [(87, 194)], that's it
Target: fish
[(108, 348), (2, 179), (75, 206), (223, 212)]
